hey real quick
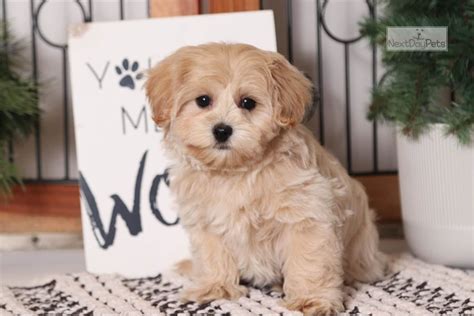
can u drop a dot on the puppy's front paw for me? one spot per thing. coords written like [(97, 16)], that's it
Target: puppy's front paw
[(213, 291), (184, 268), (315, 306)]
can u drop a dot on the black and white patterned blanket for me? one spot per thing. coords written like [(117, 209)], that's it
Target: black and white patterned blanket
[(413, 287)]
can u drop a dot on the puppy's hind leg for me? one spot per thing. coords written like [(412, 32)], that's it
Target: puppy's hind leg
[(364, 261)]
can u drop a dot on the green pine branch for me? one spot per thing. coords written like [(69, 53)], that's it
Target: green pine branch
[(19, 110), (408, 95)]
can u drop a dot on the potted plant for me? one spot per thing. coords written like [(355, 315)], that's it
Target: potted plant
[(18, 108), (429, 95)]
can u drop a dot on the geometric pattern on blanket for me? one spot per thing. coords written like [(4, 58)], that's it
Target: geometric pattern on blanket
[(412, 288)]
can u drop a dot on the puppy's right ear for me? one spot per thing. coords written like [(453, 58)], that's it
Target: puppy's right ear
[(160, 86), (292, 91)]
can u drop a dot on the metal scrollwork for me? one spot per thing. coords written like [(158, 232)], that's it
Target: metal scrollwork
[(322, 17), (36, 17)]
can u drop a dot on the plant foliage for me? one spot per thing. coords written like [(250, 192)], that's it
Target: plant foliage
[(18, 106), (409, 94)]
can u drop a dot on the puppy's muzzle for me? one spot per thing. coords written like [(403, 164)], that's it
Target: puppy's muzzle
[(222, 132)]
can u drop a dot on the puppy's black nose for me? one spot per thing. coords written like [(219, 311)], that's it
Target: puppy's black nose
[(222, 132)]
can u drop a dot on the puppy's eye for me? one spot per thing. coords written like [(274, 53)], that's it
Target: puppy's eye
[(247, 103), (203, 101)]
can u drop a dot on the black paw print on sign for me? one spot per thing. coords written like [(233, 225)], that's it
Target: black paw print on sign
[(128, 73)]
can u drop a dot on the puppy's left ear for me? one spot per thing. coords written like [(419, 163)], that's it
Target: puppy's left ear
[(292, 91), (161, 87)]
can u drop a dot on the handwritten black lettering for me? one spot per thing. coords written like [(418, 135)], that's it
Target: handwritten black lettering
[(101, 77), (132, 218), (126, 116)]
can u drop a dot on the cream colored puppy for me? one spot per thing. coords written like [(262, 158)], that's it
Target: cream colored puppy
[(261, 200)]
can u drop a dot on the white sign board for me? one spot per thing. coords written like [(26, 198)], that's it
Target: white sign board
[(129, 223)]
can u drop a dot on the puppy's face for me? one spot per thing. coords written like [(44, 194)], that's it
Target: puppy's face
[(223, 104)]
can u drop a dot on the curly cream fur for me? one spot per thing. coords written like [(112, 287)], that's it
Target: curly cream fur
[(273, 209)]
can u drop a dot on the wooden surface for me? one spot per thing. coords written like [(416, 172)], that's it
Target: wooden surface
[(220, 6), (55, 207), (384, 196), (22, 223), (163, 8), (42, 208)]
